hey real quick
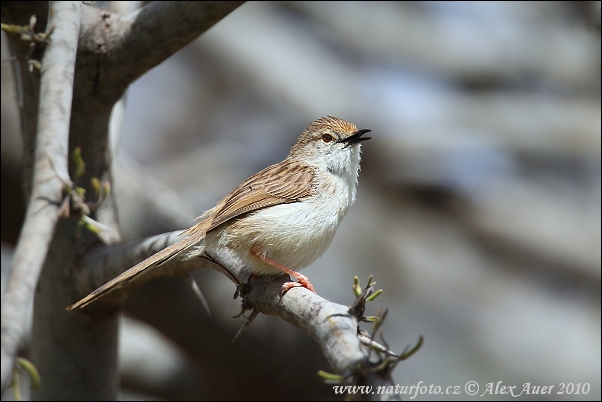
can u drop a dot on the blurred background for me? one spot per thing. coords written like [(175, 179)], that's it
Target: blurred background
[(478, 207)]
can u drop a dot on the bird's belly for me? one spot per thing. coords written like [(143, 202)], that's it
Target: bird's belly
[(293, 235)]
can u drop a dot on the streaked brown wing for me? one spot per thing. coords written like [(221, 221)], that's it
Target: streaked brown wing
[(282, 183)]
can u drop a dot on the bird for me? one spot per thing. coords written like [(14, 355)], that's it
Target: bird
[(279, 220)]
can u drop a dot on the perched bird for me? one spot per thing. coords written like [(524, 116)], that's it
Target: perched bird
[(282, 218)]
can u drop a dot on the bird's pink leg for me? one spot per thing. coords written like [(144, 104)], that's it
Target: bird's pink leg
[(303, 281)]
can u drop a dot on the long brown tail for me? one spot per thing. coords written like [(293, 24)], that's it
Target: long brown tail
[(139, 269)]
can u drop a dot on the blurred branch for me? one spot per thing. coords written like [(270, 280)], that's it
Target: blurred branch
[(50, 171), (140, 195), (154, 365), (411, 32)]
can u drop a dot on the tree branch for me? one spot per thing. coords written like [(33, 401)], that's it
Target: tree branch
[(330, 324), (129, 48), (50, 170)]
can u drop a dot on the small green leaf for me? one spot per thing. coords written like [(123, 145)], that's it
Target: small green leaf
[(329, 377), (10, 28), (408, 352), (15, 384), (78, 163), (89, 225), (31, 370), (95, 183), (106, 189), (81, 191), (374, 295)]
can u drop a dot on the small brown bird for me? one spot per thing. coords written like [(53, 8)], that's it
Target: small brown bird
[(280, 219)]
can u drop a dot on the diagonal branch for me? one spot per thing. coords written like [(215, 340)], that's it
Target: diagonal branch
[(50, 169), (129, 48), (330, 324)]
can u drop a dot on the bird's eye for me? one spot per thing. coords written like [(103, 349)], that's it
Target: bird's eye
[(327, 138)]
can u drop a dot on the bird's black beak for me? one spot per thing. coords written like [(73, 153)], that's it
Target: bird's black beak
[(356, 137)]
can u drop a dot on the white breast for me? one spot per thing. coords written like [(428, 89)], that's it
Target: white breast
[(294, 234)]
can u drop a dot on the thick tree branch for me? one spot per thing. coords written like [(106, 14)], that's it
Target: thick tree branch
[(50, 171), (125, 47), (330, 324)]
